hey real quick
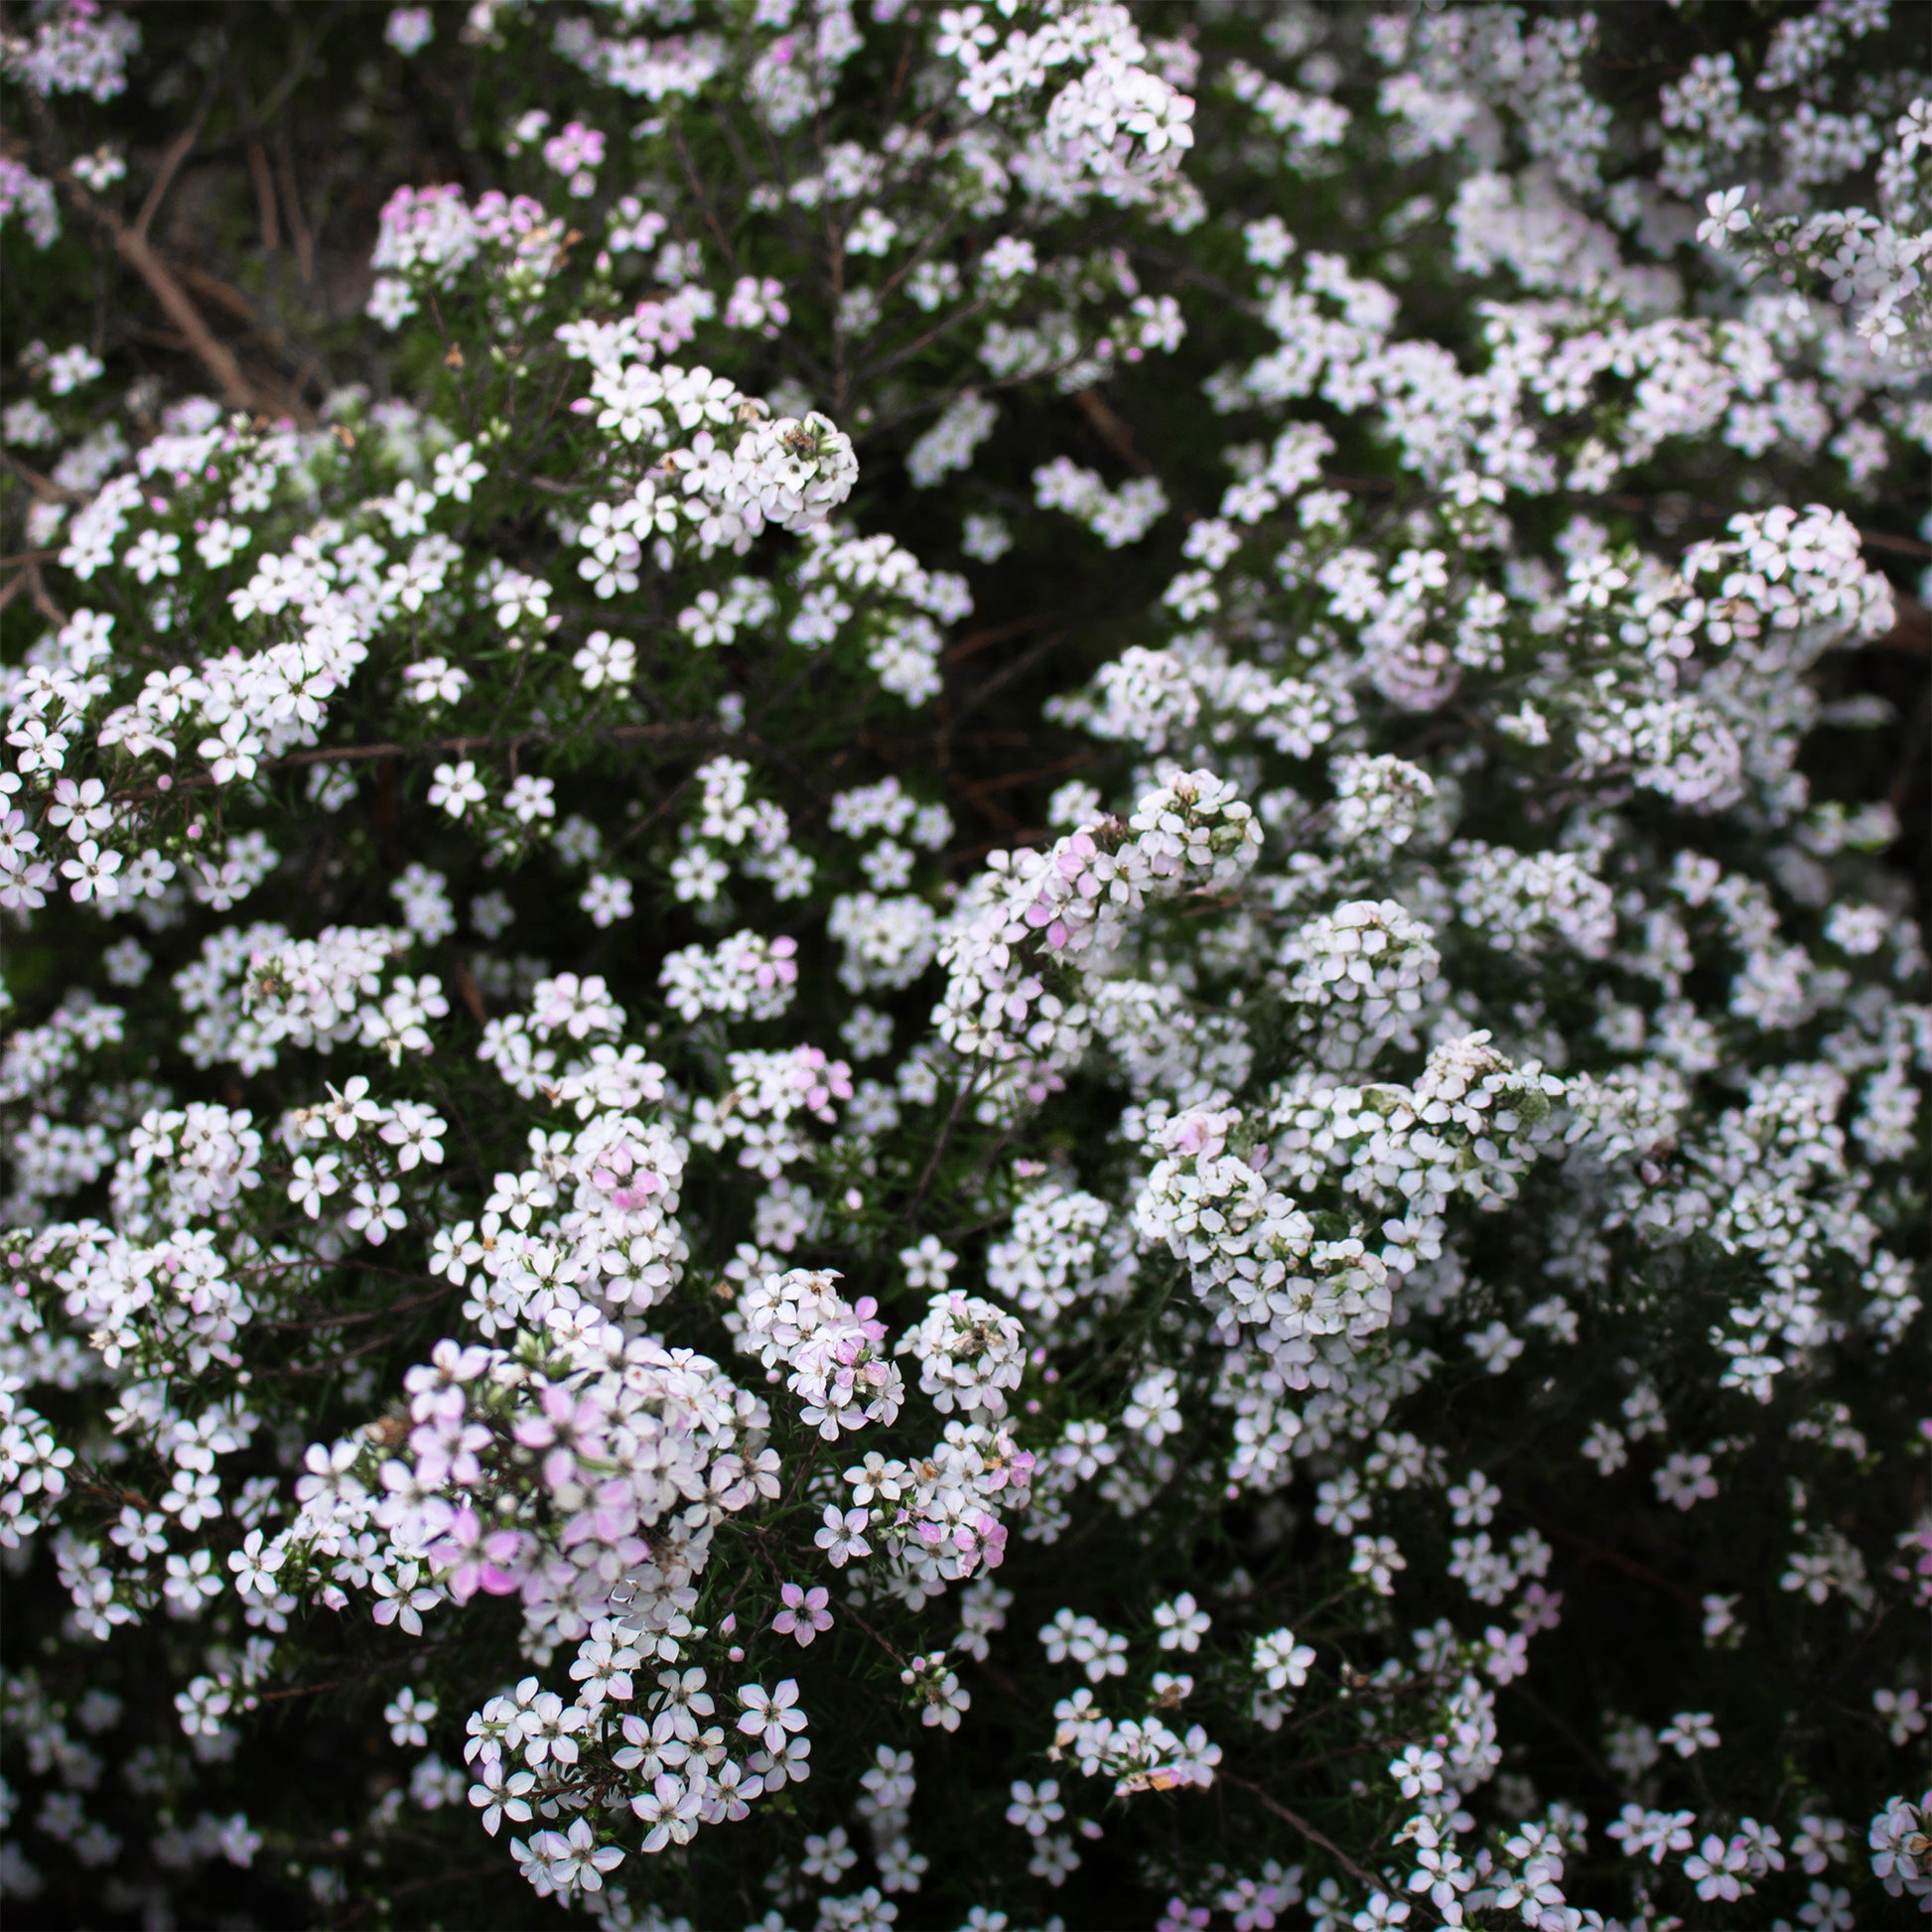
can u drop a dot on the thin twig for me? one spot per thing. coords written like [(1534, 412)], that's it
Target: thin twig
[(264, 197), (1598, 1552), (960, 1099), (977, 640), (1307, 1831), (975, 788), (44, 489), (177, 151), (132, 247), (467, 741), (885, 1643), (1006, 675), (27, 577), (351, 1677), (703, 200), (360, 1314), (305, 247), (1112, 429)]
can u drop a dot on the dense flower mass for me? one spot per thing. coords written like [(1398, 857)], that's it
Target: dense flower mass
[(956, 968)]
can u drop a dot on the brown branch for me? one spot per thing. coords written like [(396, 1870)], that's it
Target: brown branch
[(116, 1494), (1911, 631), (705, 206), (1017, 840), (305, 247), (1373, 1746), (1649, 505), (1112, 429), (978, 641), (264, 195), (358, 1316), (1309, 1832), (1003, 676), (275, 1697), (468, 741), (132, 246), (967, 1087), (976, 787), (27, 577), (1596, 1553), (213, 289), (958, 319), (1903, 546), (892, 1650), (44, 489), (994, 813), (470, 993), (352, 1677), (164, 175)]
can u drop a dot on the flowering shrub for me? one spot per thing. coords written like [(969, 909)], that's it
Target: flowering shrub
[(986, 1021)]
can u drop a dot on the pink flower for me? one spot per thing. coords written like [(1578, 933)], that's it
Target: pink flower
[(629, 1185), (475, 1560), (576, 146), (821, 1081), (804, 1615), (568, 1422), (1075, 855), (609, 1519)]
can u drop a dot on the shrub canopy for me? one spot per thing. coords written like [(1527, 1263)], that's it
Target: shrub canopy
[(962, 965)]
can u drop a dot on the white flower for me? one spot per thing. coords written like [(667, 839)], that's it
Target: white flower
[(154, 555), (255, 1568), (530, 799), (1724, 216), (928, 1264), (842, 1535), (771, 1717), (347, 1111), (1377, 1559), (314, 1182), (455, 470), (579, 1862), (518, 596), (408, 1716), (502, 1793), (603, 659), (190, 1581), (607, 899), (456, 788), (1685, 1480), (220, 541), (233, 753), (1280, 1661), (1689, 1732), (92, 872), (1035, 1809), (376, 1214), (1903, 1715), (871, 234), (415, 1132), (1182, 1623)]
